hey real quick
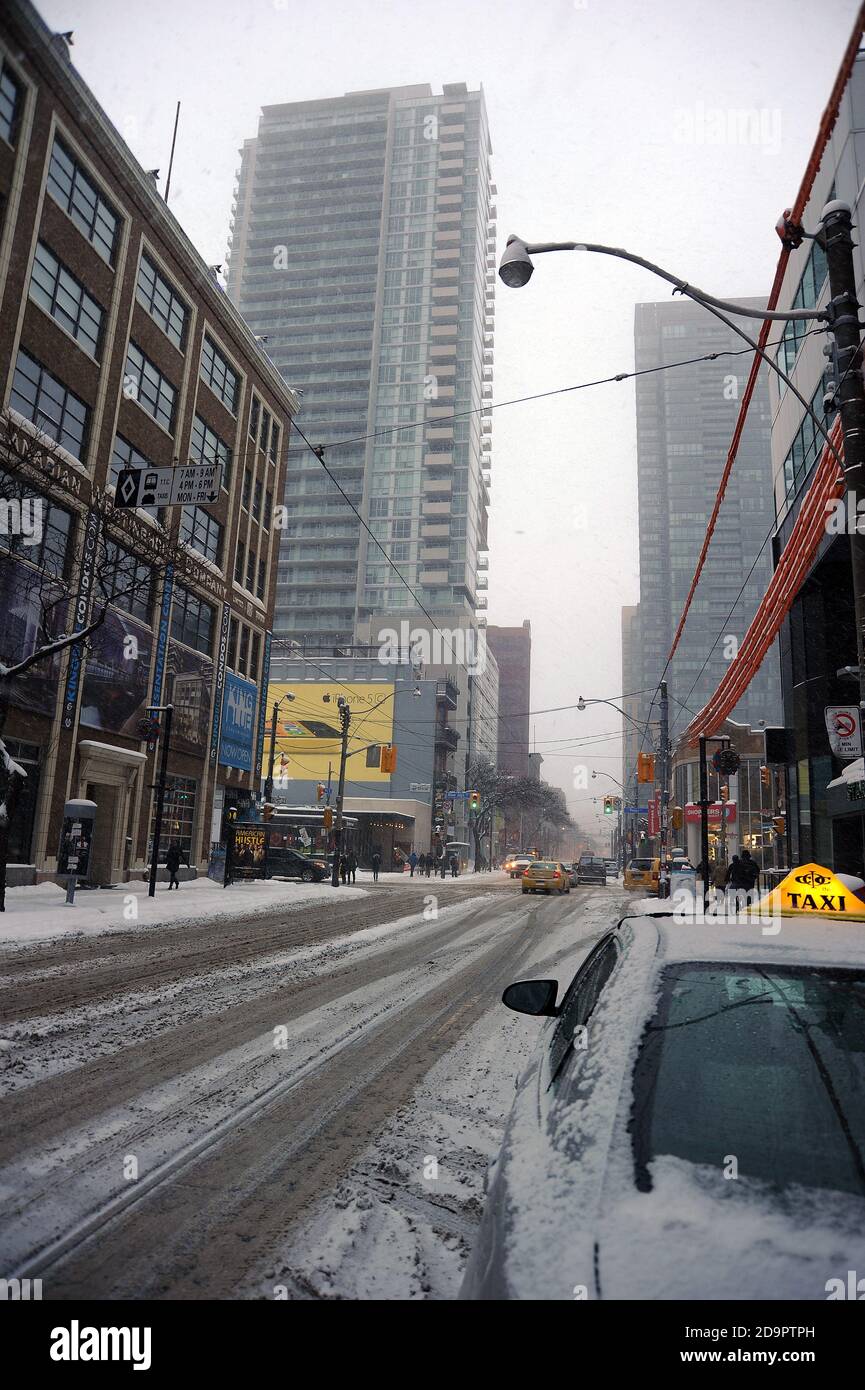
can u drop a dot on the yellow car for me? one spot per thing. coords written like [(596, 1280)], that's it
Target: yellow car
[(642, 875), (546, 876)]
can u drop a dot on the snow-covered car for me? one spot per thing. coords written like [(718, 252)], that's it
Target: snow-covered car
[(517, 864), (692, 1124)]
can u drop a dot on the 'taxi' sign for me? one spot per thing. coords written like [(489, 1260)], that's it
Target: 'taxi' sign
[(813, 890)]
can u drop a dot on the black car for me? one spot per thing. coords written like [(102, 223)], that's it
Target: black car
[(591, 870), (287, 863)]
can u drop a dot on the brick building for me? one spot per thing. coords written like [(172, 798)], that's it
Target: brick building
[(119, 347)]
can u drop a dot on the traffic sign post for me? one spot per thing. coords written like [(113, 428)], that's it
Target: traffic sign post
[(190, 485)]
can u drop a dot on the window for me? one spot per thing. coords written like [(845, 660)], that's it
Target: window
[(202, 531), (78, 196), (581, 997), (250, 570), (808, 292), (216, 372), (206, 446), (261, 582), (145, 383), (274, 443), (178, 817), (265, 430), (268, 510), (253, 418), (256, 501), (51, 406), (247, 489), (156, 295), (125, 455), (10, 104), (126, 581), (768, 1062), (60, 294), (254, 656), (231, 657), (243, 653), (239, 562), (50, 550), (192, 620)]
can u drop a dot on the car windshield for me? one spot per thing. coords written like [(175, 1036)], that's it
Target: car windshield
[(764, 1064), (640, 865), (544, 864)]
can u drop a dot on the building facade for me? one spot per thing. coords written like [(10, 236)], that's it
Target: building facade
[(512, 648), (685, 421), (119, 349), (363, 249), (826, 823)]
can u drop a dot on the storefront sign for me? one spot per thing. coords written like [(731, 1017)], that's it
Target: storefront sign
[(844, 727), (692, 812)]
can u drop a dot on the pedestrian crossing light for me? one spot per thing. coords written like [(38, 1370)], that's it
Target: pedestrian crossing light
[(474, 801), (387, 762), (765, 776), (327, 819)]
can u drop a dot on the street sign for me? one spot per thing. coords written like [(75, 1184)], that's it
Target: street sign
[(189, 485), (844, 727), (419, 786)]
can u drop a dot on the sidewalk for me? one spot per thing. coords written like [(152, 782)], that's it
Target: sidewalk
[(41, 913)]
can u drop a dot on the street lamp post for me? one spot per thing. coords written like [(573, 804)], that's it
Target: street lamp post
[(268, 783), (840, 316), (344, 722)]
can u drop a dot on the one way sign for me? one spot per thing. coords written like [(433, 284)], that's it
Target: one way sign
[(191, 485)]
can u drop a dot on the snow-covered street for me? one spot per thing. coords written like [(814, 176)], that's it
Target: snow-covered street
[(288, 1103)]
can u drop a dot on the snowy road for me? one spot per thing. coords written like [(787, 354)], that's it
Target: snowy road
[(302, 1105)]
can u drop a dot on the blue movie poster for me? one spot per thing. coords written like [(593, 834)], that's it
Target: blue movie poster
[(238, 723)]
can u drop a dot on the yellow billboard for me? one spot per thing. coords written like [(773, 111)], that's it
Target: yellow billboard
[(308, 730)]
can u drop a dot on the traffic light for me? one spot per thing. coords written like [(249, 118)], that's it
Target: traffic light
[(608, 805), (780, 825), (765, 777), (645, 767), (677, 818), (320, 791), (387, 762), (474, 801), (724, 792), (327, 818)]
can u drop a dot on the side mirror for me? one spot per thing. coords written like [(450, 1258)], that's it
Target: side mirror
[(535, 997)]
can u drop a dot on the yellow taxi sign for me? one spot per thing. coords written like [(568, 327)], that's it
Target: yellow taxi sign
[(812, 890)]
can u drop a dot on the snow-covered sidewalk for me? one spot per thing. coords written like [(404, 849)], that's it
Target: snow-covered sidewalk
[(41, 913)]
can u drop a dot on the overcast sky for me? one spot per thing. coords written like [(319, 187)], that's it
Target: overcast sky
[(600, 115)]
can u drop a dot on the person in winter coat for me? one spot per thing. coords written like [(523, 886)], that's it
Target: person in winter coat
[(454, 863), (412, 859), (172, 864), (750, 870), (343, 868), (421, 865), (719, 877), (352, 867), (376, 865)]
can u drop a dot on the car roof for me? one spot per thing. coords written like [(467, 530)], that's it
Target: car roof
[(806, 940)]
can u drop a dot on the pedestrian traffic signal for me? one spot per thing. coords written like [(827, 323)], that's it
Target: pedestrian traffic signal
[(320, 791), (474, 801), (387, 762), (780, 825), (645, 767), (765, 777), (327, 819)]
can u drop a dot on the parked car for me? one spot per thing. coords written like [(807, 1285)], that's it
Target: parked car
[(288, 863), (642, 875), (517, 864), (546, 876), (673, 1055), (591, 869), (612, 868)]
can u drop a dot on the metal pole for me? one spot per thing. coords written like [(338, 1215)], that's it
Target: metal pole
[(268, 783), (165, 735), (704, 818), (665, 777), (345, 720), (171, 158)]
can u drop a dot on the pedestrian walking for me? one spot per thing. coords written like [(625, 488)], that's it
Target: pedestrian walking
[(421, 865), (454, 863), (343, 868), (352, 866), (719, 878), (412, 859), (172, 864), (750, 870), (376, 865), (429, 865)]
